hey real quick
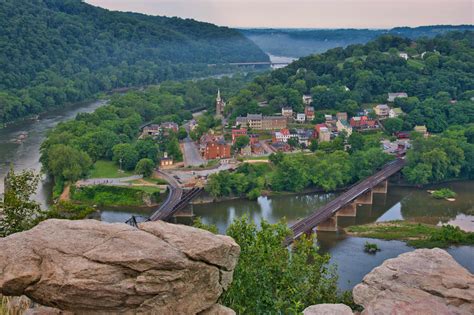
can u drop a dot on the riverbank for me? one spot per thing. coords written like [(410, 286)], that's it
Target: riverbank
[(417, 235)]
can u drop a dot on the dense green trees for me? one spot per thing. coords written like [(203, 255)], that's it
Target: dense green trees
[(345, 79), (441, 157), (260, 287), (112, 131), (19, 212), (296, 172), (56, 52)]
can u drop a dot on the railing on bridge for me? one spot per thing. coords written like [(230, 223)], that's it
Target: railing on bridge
[(307, 224)]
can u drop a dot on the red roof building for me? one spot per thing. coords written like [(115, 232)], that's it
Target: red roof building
[(238, 133)]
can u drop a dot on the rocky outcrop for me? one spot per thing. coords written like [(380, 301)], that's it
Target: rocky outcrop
[(425, 281), (328, 309), (93, 267)]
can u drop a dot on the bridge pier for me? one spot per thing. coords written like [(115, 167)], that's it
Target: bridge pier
[(349, 210), (185, 212), (365, 199), (381, 188), (330, 225)]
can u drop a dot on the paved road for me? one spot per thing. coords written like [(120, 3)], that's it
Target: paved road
[(174, 196), (108, 181), (192, 156)]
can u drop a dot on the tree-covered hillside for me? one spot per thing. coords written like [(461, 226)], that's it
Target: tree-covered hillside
[(437, 74), (304, 42), (59, 51)]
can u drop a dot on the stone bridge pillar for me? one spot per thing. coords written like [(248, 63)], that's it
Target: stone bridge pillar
[(349, 210), (185, 212), (330, 225), (381, 188), (365, 199)]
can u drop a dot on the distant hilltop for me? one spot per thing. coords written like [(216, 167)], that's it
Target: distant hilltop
[(302, 42)]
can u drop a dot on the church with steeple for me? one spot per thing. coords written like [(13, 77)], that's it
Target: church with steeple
[(220, 105)]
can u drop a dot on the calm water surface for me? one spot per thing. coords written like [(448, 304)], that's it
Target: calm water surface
[(400, 203), (26, 154)]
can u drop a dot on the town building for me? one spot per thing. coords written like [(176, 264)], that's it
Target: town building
[(287, 112), (304, 136), (281, 136), (281, 146), (274, 122), (363, 123), (324, 135), (254, 138), (395, 112), (220, 105), (246, 151), (257, 149), (382, 110), (168, 125), (341, 116), (217, 149), (166, 161), (242, 132), (403, 55), (151, 130), (329, 119), (421, 129), (309, 112), (307, 100), (392, 96), (300, 117), (343, 125), (259, 122)]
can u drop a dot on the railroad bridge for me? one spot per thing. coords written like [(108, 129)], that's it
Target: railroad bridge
[(178, 198), (325, 218)]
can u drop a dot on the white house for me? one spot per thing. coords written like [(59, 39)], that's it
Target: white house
[(403, 55), (395, 112), (307, 99), (393, 96), (287, 111), (300, 117)]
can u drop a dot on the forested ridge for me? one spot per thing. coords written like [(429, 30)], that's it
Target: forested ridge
[(437, 73), (62, 51)]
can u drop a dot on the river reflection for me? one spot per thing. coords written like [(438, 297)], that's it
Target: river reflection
[(400, 203)]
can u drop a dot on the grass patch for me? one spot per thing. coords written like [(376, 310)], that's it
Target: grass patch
[(256, 158), (418, 64), (443, 193), (414, 234), (107, 169), (116, 195)]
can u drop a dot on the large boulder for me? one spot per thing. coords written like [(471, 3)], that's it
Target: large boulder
[(94, 267), (425, 281), (328, 309)]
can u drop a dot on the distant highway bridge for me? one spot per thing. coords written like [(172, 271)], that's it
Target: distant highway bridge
[(325, 218), (254, 63)]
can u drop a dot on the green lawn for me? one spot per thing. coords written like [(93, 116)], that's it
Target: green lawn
[(416, 63), (414, 234), (107, 169)]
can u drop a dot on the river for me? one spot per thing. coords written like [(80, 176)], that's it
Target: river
[(25, 155), (400, 203)]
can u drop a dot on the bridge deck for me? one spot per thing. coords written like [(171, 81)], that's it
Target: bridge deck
[(307, 224)]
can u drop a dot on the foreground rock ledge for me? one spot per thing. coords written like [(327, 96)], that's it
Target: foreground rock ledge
[(94, 267), (425, 281)]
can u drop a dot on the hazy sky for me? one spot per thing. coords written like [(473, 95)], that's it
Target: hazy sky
[(306, 13)]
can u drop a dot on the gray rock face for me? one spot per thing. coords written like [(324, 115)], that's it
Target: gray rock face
[(94, 267), (425, 281), (328, 309)]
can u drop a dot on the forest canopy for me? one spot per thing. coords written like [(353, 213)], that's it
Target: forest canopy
[(64, 51)]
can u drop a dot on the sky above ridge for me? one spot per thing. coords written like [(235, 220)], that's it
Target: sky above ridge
[(306, 13)]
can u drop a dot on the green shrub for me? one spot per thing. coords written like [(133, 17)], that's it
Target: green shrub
[(443, 193)]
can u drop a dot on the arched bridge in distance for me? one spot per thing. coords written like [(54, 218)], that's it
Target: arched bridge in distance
[(325, 217)]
